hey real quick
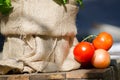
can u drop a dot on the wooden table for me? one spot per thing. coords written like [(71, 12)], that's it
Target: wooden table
[(111, 73)]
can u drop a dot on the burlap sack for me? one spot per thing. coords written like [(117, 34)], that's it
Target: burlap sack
[(40, 17), (40, 37)]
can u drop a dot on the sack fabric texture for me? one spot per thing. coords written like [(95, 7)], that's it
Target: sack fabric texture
[(40, 37)]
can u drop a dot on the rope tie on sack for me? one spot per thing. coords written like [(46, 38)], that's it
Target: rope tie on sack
[(50, 53), (47, 59)]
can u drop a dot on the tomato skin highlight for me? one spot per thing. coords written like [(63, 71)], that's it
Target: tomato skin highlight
[(103, 41), (101, 59), (83, 52)]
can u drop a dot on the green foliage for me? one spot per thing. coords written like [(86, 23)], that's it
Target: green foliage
[(63, 2), (80, 2), (5, 7)]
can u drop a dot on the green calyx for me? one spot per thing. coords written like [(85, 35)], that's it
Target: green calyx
[(5, 7)]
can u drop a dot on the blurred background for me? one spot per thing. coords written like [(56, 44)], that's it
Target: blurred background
[(97, 16)]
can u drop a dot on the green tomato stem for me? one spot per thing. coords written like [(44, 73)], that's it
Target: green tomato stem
[(89, 38)]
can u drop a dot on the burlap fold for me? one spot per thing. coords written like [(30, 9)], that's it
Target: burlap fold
[(40, 37)]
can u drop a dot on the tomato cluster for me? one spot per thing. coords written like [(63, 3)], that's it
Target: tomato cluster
[(95, 52)]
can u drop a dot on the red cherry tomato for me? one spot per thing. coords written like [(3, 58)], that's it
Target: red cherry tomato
[(83, 52), (103, 41), (101, 59)]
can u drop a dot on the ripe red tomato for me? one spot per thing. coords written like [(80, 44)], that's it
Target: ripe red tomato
[(83, 52), (101, 59), (104, 40)]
